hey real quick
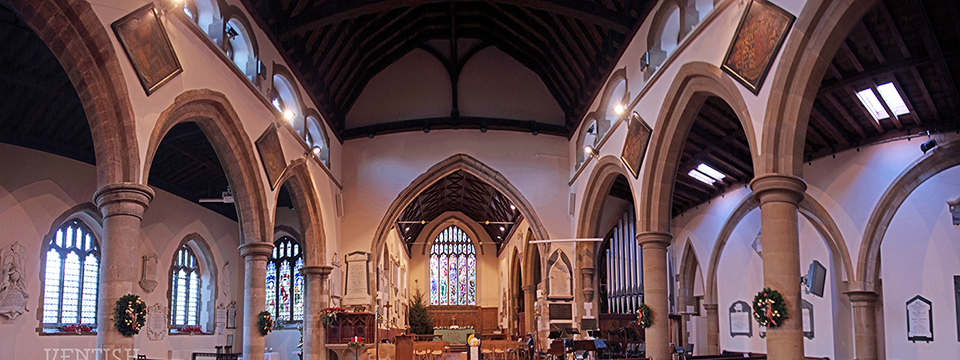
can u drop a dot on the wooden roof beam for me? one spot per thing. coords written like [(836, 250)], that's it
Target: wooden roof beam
[(929, 36), (851, 121), (923, 90)]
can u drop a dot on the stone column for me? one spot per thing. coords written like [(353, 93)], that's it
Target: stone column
[(122, 206), (255, 255), (655, 295), (529, 296), (865, 323), (314, 332), (779, 196), (713, 329)]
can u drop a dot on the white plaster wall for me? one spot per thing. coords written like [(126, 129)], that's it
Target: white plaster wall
[(32, 197), (493, 84), (920, 255), (416, 86)]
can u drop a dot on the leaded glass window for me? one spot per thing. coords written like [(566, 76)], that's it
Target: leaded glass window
[(285, 282), (184, 288), (453, 269), (71, 276)]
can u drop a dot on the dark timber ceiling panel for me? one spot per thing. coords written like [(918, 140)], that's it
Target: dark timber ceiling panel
[(463, 192), (337, 46)]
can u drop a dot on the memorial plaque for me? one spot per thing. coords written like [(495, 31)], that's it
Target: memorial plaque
[(561, 312), (741, 321), (358, 279), (232, 315), (806, 313), (220, 319), (919, 319), (956, 291)]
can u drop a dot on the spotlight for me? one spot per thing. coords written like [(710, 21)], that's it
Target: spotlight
[(589, 150), (483, 128), (371, 135), (315, 150), (929, 145), (288, 114), (618, 109), (535, 132), (426, 129)]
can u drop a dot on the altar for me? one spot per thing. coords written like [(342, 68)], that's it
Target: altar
[(454, 336)]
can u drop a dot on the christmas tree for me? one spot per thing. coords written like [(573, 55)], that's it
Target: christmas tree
[(419, 319)]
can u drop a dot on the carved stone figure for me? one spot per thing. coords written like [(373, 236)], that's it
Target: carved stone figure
[(13, 294), (148, 280), (157, 322), (226, 281)]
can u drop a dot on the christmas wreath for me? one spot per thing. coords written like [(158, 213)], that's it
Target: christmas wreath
[(644, 316), (769, 308), (264, 322), (130, 315), (328, 315)]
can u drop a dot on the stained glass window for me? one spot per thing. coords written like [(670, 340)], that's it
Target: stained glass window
[(285, 282), (71, 276), (453, 269), (185, 289)]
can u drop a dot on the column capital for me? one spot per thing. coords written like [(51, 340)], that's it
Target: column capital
[(710, 307), (323, 271), (778, 188), (129, 199), (654, 239), (865, 297), (256, 249), (529, 288)]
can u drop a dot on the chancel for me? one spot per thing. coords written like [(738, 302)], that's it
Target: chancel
[(479, 179)]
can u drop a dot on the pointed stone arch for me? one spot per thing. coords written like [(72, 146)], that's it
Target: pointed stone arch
[(79, 41), (306, 202), (212, 112), (694, 84)]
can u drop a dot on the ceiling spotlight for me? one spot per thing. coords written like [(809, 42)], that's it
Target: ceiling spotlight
[(618, 109), (288, 114), (315, 150), (929, 145), (483, 128), (501, 228), (371, 135), (589, 150), (512, 207), (426, 129), (535, 132), (407, 229)]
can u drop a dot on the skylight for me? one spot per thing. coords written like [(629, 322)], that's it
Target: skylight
[(706, 174), (891, 97)]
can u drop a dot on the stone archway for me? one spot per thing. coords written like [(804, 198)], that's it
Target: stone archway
[(306, 202), (221, 125), (78, 39), (687, 278), (810, 47), (694, 84)]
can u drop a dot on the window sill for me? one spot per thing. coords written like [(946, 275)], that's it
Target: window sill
[(177, 333), (57, 332)]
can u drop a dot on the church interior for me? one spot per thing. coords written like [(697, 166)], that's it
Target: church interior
[(467, 179)]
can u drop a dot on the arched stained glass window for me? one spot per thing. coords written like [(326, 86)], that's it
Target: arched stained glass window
[(71, 276), (453, 269), (184, 289), (285, 283)]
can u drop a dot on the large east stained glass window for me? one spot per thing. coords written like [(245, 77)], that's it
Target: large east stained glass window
[(285, 281), (184, 289), (453, 269), (71, 276)]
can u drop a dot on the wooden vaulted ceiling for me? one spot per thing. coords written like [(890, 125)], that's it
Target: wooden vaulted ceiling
[(463, 192), (337, 46), (914, 44)]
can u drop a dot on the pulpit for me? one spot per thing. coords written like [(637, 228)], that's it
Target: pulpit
[(350, 324)]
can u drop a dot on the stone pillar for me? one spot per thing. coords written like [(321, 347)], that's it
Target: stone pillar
[(255, 255), (655, 294), (122, 206), (529, 296), (713, 329), (865, 323), (314, 332), (779, 196)]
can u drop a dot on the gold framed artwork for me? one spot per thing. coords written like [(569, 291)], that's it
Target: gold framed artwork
[(762, 30), (147, 46), (271, 155), (635, 146)]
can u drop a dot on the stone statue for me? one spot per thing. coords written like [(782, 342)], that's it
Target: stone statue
[(13, 294)]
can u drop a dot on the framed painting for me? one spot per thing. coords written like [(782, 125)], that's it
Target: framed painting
[(758, 39), (635, 146), (147, 46), (271, 155)]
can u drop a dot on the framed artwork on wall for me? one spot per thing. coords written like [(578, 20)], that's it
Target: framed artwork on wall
[(144, 39), (762, 30), (271, 155), (635, 146)]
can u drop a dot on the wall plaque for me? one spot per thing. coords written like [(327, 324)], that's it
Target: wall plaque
[(232, 315), (13, 290), (806, 313), (919, 319), (146, 43), (271, 155), (220, 319), (148, 278), (759, 36), (358, 279), (956, 291), (955, 210), (635, 146), (561, 312), (157, 322), (741, 321)]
